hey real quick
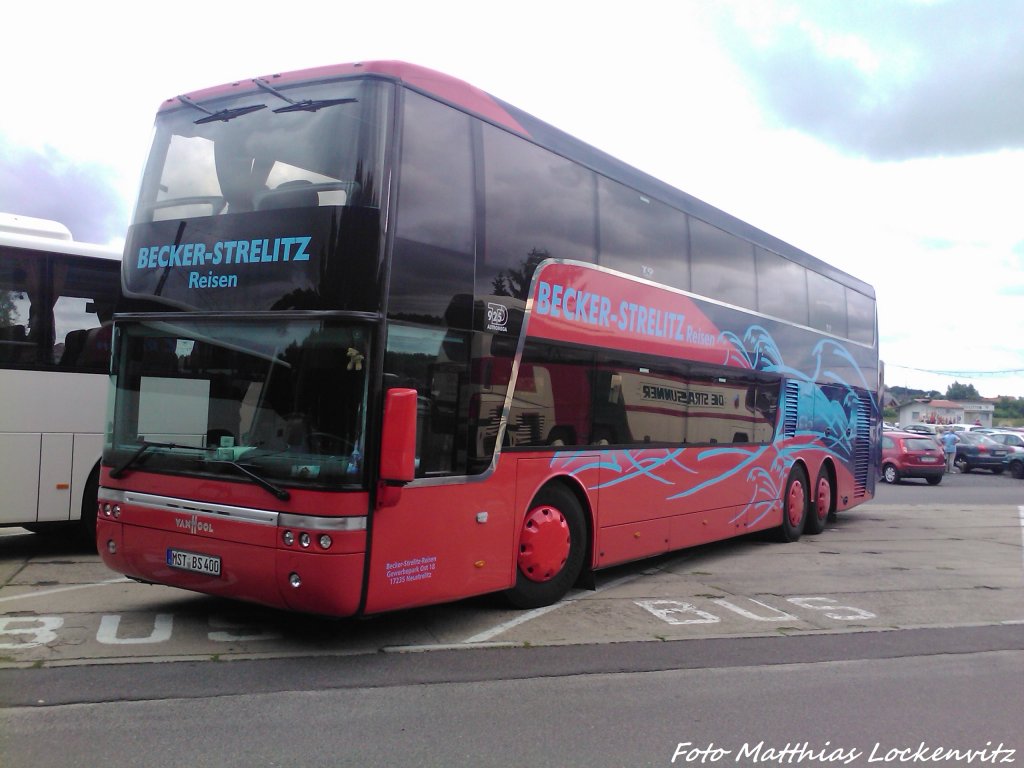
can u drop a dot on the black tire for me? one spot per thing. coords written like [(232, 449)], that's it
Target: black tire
[(934, 480), (998, 470), (962, 465), (796, 490), (822, 505), (87, 523), (552, 502), (890, 474), (1017, 469)]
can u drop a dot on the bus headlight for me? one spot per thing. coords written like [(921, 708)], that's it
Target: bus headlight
[(325, 541)]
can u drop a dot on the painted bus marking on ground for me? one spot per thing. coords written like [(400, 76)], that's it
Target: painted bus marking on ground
[(681, 612), (27, 632), (43, 630)]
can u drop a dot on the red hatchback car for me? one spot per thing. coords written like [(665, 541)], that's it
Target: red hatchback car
[(908, 454)]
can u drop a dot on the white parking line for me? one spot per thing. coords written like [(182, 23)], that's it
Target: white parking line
[(43, 593), (487, 634), (1020, 516)]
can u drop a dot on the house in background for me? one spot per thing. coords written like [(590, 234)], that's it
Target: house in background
[(936, 411)]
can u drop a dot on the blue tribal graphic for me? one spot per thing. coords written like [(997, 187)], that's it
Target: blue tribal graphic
[(827, 418)]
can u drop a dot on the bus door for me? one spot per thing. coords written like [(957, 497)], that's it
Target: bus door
[(441, 541), (447, 533)]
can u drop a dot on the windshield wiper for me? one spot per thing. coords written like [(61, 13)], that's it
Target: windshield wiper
[(145, 445), (223, 115), (306, 105), (262, 482)]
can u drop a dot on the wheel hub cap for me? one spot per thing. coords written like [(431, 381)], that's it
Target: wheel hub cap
[(824, 498), (544, 544), (797, 502)]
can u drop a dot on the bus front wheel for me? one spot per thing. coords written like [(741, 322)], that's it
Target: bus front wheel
[(551, 549), (794, 505)]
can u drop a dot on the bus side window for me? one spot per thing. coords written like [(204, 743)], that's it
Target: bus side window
[(435, 363)]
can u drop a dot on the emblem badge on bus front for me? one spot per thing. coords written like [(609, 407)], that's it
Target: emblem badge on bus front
[(193, 524)]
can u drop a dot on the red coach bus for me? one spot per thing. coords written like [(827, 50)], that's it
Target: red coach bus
[(418, 345)]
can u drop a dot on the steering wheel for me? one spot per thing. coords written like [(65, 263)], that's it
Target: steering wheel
[(327, 442)]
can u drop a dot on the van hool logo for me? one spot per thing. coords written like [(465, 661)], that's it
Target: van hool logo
[(497, 317), (193, 524)]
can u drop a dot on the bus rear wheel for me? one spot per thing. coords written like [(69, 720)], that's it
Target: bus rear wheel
[(821, 504), (551, 549), (794, 506)]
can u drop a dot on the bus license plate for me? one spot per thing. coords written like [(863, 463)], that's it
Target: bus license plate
[(193, 561)]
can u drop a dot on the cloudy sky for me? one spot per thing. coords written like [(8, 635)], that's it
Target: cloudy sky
[(884, 136)]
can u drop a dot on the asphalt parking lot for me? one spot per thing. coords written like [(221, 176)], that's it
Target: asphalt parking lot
[(917, 556)]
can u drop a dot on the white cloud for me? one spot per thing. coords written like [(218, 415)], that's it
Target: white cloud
[(770, 110)]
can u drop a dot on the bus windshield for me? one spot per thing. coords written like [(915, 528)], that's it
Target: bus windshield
[(306, 146), (284, 401)]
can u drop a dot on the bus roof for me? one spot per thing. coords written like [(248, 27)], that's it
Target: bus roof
[(469, 98), (17, 224), (47, 236)]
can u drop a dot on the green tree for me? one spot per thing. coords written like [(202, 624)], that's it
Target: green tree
[(958, 391), (7, 309), (516, 282)]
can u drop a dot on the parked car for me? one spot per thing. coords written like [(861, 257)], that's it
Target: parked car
[(977, 451), (911, 454), (1014, 442), (921, 429)]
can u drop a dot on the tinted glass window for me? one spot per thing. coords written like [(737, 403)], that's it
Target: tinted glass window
[(827, 304), (22, 288), (55, 311), (641, 236), (86, 294), (722, 265), (432, 261), (860, 312), (435, 362), (568, 396), (268, 158), (781, 287), (537, 205), (289, 395)]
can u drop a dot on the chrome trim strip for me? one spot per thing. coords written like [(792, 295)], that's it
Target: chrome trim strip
[(243, 514), (189, 507), (287, 520)]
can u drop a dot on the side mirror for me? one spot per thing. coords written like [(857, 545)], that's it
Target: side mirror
[(398, 441)]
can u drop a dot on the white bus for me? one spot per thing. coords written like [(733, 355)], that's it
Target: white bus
[(57, 297)]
